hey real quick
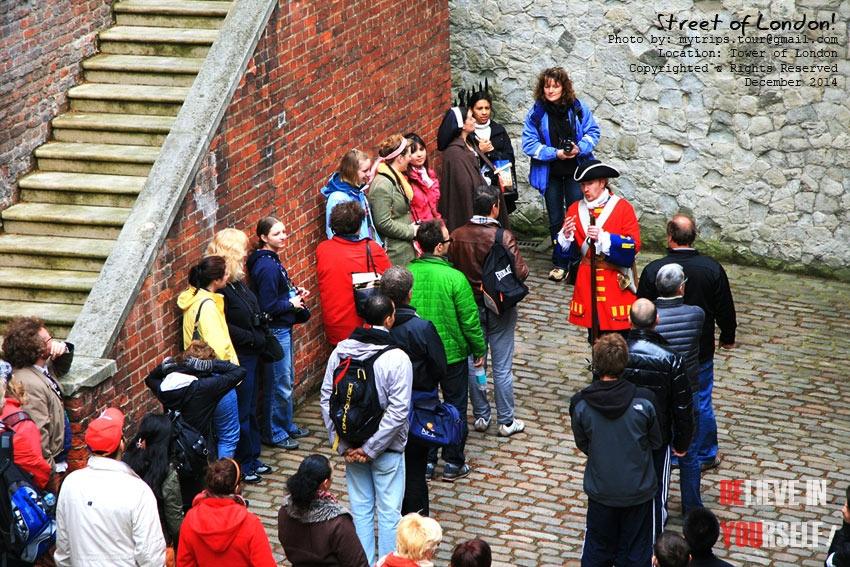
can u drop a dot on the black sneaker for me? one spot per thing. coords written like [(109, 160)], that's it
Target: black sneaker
[(251, 478), (451, 473), (263, 468), (289, 444)]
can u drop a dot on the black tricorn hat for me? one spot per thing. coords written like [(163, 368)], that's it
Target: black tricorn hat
[(594, 169)]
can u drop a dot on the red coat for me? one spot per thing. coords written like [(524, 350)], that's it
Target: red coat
[(336, 260), (27, 446), (423, 206), (221, 531), (613, 303)]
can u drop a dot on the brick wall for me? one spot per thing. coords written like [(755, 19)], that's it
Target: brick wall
[(41, 45), (373, 70)]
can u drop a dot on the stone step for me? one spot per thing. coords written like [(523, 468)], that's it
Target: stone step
[(181, 14), (51, 286), (127, 99), (111, 159), (124, 129), (149, 40), (79, 221), (58, 317), (142, 70), (53, 252), (80, 189)]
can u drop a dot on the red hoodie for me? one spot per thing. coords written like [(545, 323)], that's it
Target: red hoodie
[(27, 446), (221, 531)]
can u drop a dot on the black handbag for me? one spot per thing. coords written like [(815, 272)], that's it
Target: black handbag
[(365, 284), (196, 333), (272, 352)]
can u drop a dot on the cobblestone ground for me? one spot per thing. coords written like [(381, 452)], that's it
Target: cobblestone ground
[(780, 399)]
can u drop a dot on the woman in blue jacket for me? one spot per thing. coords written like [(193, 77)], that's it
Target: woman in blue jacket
[(348, 184), (283, 302), (559, 132)]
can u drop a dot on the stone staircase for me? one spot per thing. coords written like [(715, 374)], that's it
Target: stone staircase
[(72, 207)]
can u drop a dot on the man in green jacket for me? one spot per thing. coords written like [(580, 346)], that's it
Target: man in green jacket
[(443, 295)]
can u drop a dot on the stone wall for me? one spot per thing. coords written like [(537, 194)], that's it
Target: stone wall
[(41, 45), (281, 138), (763, 167)]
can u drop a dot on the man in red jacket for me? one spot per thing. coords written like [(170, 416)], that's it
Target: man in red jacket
[(604, 224), (336, 260)]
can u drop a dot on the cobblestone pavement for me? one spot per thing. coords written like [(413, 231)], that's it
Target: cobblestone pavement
[(780, 399)]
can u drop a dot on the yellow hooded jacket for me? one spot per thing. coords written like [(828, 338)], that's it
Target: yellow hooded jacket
[(211, 325)]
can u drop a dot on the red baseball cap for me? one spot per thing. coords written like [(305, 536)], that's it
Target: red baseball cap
[(105, 432)]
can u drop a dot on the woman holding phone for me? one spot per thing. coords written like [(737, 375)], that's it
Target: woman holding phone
[(558, 134)]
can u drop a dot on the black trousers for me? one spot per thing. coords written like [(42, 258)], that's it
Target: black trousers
[(415, 484), (618, 536), (456, 392)]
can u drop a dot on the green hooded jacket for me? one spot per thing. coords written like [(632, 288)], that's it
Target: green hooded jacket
[(442, 295)]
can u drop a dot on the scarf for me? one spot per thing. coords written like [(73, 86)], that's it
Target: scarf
[(482, 131), (400, 180)]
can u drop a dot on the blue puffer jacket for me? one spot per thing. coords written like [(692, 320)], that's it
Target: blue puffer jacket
[(338, 191), (681, 326), (536, 142)]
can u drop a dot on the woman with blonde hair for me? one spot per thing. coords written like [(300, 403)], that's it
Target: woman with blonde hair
[(348, 184), (417, 539), (246, 324), (390, 195)]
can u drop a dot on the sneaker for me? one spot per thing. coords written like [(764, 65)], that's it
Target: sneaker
[(251, 478), (299, 432), (289, 444), (451, 472), (262, 468), (429, 471), (516, 426), (708, 465), (481, 424), (557, 274)]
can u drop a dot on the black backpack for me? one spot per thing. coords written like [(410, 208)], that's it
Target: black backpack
[(191, 451), (500, 288), (355, 409), (27, 522)]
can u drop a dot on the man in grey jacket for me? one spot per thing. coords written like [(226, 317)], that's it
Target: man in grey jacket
[(681, 326), (374, 471), (615, 425)]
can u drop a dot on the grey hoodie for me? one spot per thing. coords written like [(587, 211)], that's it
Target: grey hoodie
[(393, 379)]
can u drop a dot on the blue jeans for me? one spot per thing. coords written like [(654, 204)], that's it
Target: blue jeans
[(689, 470), (248, 449), (499, 336), (559, 195), (277, 392), (706, 440), (376, 486), (226, 421)]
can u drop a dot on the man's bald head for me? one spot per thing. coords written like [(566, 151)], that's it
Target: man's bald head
[(682, 230), (643, 314)]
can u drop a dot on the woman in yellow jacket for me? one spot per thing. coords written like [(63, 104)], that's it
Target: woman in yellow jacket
[(203, 318)]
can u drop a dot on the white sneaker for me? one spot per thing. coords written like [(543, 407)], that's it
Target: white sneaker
[(515, 427), (481, 424)]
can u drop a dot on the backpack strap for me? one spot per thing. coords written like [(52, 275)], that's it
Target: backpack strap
[(195, 331), (375, 356), (11, 420)]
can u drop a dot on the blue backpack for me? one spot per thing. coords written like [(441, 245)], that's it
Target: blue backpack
[(27, 523), (434, 423)]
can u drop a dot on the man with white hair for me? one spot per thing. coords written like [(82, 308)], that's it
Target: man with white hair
[(681, 326)]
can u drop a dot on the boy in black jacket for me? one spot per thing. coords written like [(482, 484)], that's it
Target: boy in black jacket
[(614, 423)]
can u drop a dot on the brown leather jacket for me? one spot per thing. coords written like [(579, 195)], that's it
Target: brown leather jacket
[(470, 245)]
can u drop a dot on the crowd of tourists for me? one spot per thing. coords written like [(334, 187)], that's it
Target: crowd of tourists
[(418, 283)]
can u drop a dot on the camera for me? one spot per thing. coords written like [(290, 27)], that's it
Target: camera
[(261, 319)]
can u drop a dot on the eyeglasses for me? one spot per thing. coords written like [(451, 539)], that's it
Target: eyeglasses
[(48, 339), (447, 241)]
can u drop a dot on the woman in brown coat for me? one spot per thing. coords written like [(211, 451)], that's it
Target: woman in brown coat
[(312, 526), (460, 175)]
